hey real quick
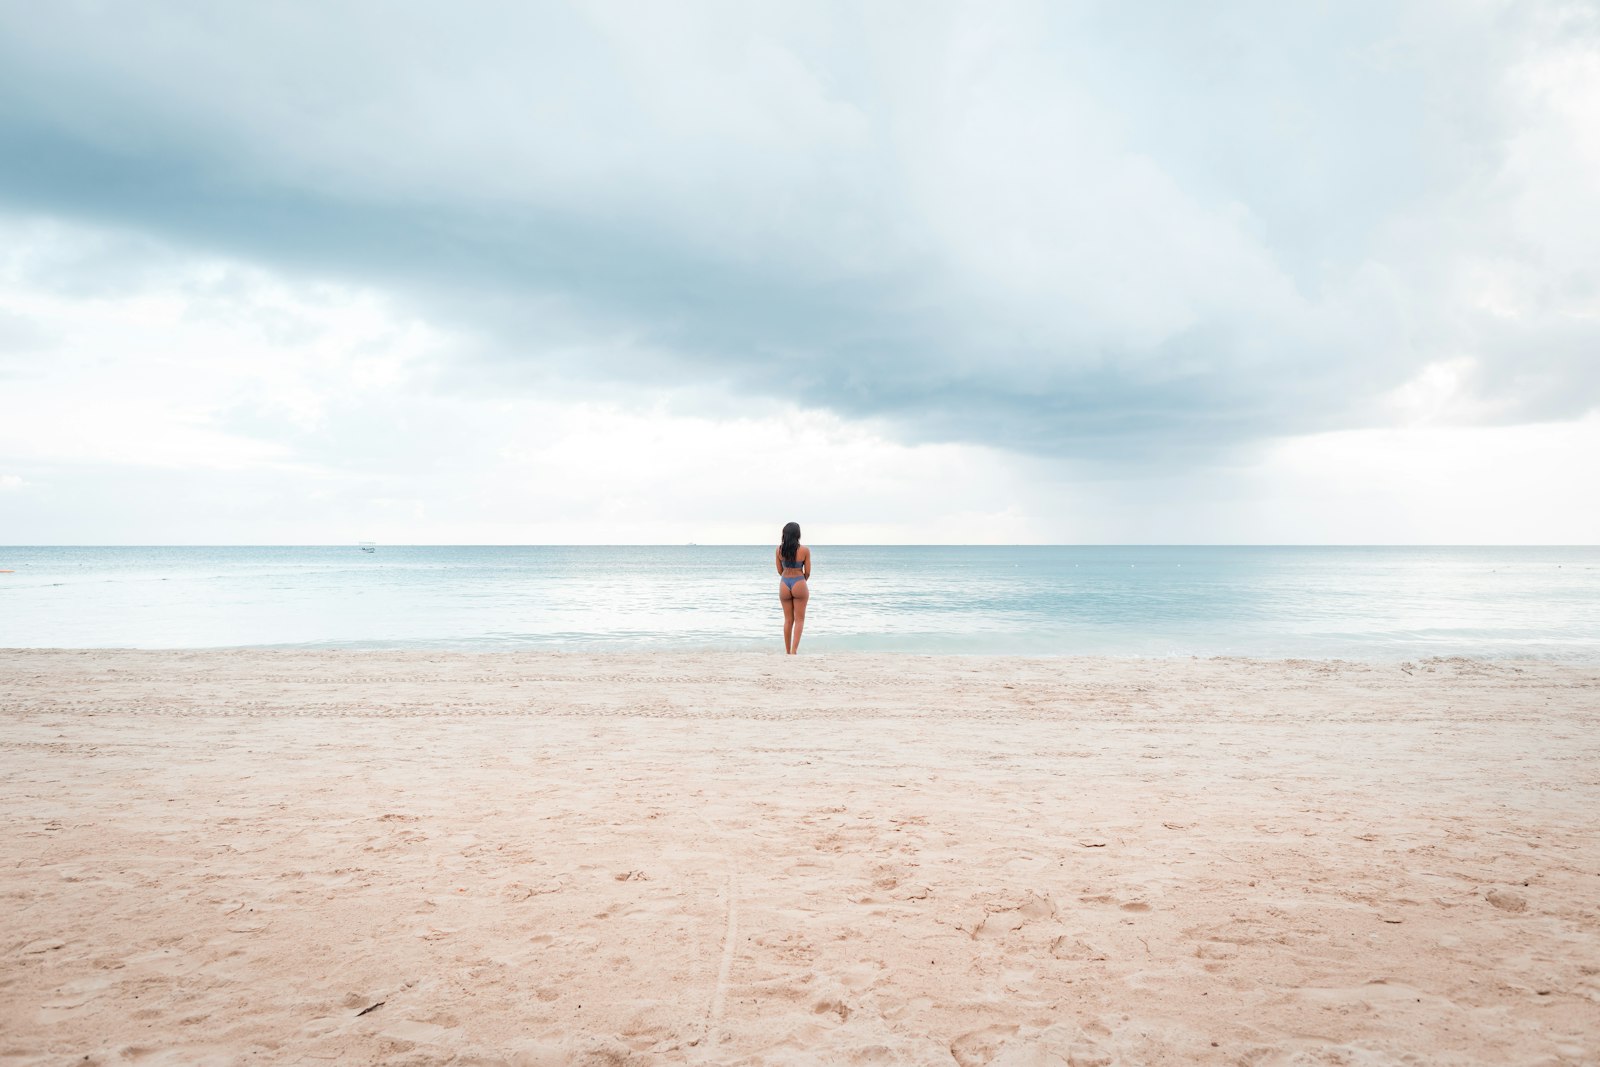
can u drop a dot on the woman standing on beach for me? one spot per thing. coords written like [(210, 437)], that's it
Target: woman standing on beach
[(794, 567)]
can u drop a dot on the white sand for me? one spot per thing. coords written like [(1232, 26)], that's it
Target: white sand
[(740, 858)]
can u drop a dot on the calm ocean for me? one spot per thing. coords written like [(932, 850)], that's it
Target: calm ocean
[(1375, 603)]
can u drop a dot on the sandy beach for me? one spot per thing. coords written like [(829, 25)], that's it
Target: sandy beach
[(418, 858)]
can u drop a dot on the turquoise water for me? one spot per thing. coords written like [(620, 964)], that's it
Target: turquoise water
[(1373, 603)]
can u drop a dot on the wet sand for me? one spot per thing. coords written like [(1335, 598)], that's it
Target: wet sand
[(417, 858)]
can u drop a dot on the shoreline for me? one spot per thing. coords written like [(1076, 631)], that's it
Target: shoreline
[(671, 857), (436, 651), (1378, 604)]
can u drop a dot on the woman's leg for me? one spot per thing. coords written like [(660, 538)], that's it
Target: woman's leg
[(798, 609), (788, 617)]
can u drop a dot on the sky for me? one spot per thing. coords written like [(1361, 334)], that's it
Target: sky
[(621, 273)]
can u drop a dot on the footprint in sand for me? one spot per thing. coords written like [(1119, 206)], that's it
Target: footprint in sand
[(1004, 918), (73, 995), (886, 876), (420, 1033), (541, 1054), (832, 1006), (1106, 898), (1507, 900), (512, 892), (1058, 1044), (1216, 950), (979, 1047), (1067, 947)]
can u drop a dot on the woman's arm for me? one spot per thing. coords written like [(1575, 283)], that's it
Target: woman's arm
[(777, 557), (807, 564)]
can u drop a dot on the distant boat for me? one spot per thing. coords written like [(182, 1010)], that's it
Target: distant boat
[(369, 546)]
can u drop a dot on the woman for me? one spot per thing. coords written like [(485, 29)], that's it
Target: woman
[(794, 567)]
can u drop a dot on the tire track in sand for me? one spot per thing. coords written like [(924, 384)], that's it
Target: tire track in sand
[(730, 938)]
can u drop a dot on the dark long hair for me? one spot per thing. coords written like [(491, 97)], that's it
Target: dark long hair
[(791, 544)]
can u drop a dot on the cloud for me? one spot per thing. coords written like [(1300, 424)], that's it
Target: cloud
[(220, 403), (1070, 230)]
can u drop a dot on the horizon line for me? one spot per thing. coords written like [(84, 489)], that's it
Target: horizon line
[(827, 544)]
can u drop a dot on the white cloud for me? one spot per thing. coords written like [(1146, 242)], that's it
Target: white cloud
[(1173, 232), (171, 371), (328, 401), (215, 402), (1035, 272), (1432, 485)]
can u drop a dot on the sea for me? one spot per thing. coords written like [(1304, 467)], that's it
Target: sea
[(1371, 603)]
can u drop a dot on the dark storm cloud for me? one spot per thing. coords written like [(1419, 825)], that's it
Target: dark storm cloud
[(1062, 230)]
